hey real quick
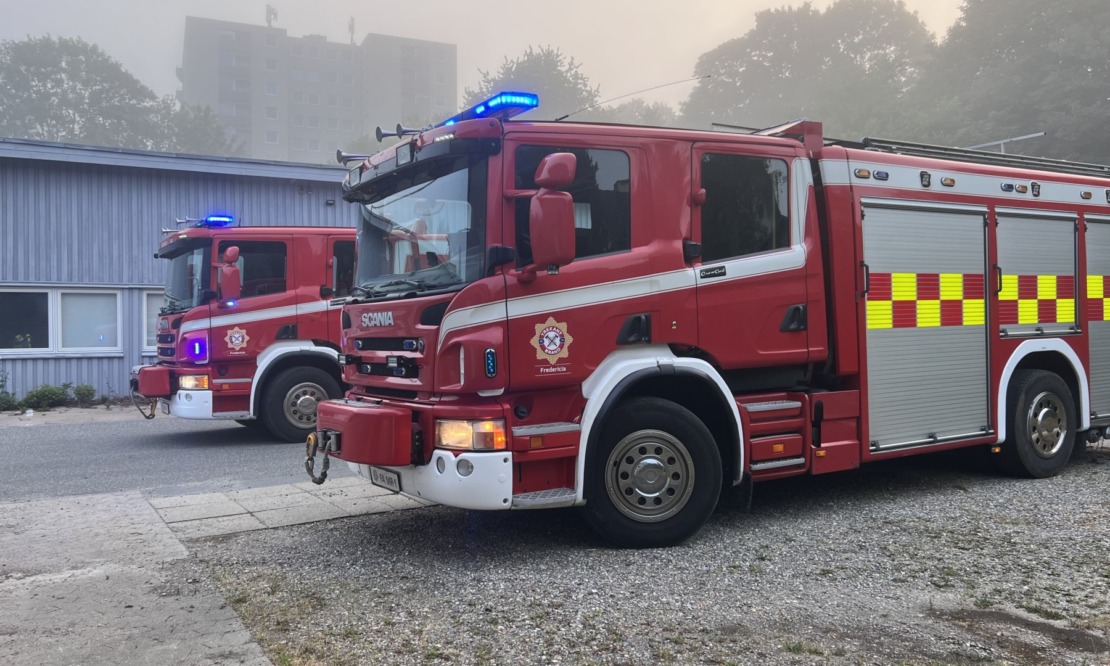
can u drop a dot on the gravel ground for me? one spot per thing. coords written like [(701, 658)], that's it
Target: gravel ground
[(922, 561)]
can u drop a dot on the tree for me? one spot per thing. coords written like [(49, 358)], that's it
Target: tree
[(847, 66), (638, 112), (1015, 67), (547, 72), (65, 89)]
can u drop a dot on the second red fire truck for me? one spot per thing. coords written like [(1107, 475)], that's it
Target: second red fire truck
[(632, 319), (250, 327)]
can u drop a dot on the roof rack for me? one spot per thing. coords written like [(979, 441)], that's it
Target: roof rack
[(985, 157)]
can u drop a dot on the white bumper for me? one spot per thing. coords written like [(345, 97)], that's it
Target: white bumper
[(488, 487), (190, 404)]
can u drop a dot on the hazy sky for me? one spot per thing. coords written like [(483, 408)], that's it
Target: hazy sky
[(622, 45)]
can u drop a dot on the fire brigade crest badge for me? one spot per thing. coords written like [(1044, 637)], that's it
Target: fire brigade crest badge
[(551, 341), (236, 338)]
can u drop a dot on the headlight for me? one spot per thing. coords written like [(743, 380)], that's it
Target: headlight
[(471, 435), (193, 382)]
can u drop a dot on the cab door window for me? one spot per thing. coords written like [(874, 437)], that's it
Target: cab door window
[(343, 267), (746, 209), (262, 266), (602, 203)]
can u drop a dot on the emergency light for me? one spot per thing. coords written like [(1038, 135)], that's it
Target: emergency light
[(502, 105), (218, 221)]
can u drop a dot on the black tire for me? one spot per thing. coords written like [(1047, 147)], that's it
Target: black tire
[(289, 401), (655, 476), (1042, 429)]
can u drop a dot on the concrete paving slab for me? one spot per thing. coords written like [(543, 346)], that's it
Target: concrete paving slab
[(352, 492), (207, 527), (401, 502), (82, 581), (342, 482), (296, 515), (185, 500), (267, 491), (215, 509), (279, 502)]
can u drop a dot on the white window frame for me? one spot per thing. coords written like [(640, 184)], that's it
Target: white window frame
[(54, 346), (150, 350)]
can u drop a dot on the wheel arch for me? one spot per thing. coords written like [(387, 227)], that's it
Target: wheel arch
[(656, 371), (1055, 356), (281, 356)]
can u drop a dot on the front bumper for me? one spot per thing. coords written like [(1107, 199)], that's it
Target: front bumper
[(368, 434), (190, 404)]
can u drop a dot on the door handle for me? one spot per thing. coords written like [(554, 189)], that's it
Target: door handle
[(866, 277)]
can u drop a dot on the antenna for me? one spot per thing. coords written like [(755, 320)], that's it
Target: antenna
[(271, 15), (672, 83), (351, 29)]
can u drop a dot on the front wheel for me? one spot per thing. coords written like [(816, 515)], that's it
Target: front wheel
[(655, 476), (1042, 425), (289, 403)]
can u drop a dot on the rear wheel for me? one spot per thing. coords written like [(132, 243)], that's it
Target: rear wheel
[(1042, 425), (655, 476), (289, 403)]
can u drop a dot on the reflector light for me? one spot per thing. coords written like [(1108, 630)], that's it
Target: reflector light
[(1007, 187), (1022, 189), (502, 105), (1087, 195), (948, 181), (863, 173), (881, 175)]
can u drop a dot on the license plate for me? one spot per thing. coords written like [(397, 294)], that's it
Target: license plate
[(165, 406), (385, 479)]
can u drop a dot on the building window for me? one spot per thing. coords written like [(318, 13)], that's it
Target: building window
[(333, 53), (346, 56), (333, 100), (313, 98), (297, 97), (313, 51), (272, 89), (348, 79), (602, 204), (271, 113), (348, 125), (26, 324), (241, 60), (441, 101), (243, 110), (313, 76), (59, 320), (298, 121), (746, 207), (152, 303), (89, 320), (271, 137), (298, 50), (333, 123), (440, 78), (271, 39), (313, 145), (271, 64), (241, 84), (298, 144), (331, 77), (314, 121), (348, 102)]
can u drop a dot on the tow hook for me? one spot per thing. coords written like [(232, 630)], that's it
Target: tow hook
[(153, 404), (311, 445)]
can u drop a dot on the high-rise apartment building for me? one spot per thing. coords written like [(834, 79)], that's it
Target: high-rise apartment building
[(300, 98)]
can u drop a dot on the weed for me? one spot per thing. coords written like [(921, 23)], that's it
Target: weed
[(1041, 611)]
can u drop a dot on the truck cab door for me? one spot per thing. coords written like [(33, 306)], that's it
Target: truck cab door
[(341, 276), (754, 308)]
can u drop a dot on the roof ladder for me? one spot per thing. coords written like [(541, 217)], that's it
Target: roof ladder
[(985, 157)]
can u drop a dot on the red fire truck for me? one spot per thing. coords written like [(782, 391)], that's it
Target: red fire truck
[(629, 319), (250, 326)]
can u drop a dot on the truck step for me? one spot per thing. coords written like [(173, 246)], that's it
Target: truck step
[(544, 499), (775, 464)]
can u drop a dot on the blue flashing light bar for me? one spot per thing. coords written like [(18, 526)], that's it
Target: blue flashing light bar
[(503, 105), (218, 221)]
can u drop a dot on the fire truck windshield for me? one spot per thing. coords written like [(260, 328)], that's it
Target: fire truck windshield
[(186, 275), (425, 230)]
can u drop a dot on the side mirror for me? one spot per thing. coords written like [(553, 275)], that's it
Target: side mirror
[(231, 286), (551, 215)]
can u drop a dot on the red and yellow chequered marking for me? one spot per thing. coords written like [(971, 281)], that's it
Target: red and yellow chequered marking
[(1098, 305), (1036, 299), (925, 300)]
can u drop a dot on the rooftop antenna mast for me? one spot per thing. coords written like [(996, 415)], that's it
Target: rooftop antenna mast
[(351, 29), (271, 16)]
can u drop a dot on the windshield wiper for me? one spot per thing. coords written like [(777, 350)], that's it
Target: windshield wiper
[(382, 289)]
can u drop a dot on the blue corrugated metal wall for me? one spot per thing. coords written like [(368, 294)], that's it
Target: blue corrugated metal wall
[(68, 224)]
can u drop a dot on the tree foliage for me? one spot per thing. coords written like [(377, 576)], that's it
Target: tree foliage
[(557, 79), (67, 90), (847, 66), (1015, 67)]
